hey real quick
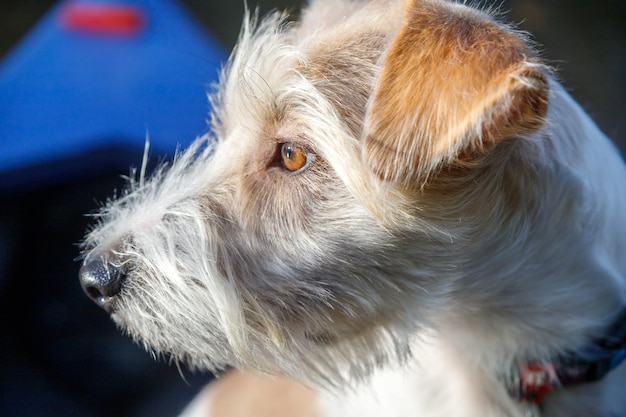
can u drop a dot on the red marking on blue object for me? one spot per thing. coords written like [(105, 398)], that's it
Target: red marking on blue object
[(105, 18)]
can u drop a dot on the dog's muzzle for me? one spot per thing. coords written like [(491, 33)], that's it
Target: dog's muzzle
[(101, 280)]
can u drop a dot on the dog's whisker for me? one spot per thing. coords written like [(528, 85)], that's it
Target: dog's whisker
[(180, 370), (144, 161)]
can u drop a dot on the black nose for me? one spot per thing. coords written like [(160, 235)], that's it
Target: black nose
[(101, 280)]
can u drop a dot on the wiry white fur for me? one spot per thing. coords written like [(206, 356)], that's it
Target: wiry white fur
[(172, 243), (334, 276)]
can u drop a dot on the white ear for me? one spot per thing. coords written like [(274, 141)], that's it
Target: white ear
[(453, 82)]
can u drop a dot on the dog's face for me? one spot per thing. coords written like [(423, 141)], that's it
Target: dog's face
[(313, 236)]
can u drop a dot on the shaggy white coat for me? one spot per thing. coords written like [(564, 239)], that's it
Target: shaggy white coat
[(417, 299)]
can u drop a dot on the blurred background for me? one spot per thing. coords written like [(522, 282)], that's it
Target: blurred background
[(75, 107)]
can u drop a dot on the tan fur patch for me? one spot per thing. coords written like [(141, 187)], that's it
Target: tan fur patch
[(240, 394), (452, 81), (344, 71)]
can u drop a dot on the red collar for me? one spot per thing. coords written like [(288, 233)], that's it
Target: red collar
[(530, 381)]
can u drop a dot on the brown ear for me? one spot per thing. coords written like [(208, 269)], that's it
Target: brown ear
[(453, 82)]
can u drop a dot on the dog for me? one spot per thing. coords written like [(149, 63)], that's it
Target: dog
[(399, 211)]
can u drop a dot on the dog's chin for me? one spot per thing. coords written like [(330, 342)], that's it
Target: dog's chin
[(160, 346), (318, 357)]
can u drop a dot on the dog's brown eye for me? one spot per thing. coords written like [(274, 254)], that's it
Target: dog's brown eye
[(294, 158)]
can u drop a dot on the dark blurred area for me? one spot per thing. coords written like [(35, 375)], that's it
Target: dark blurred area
[(60, 355)]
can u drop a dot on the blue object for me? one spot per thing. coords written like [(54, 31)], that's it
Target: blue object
[(80, 94)]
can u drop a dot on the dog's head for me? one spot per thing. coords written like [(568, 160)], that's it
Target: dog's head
[(312, 237)]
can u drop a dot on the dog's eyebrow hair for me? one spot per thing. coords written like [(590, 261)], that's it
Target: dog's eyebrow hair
[(245, 71)]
